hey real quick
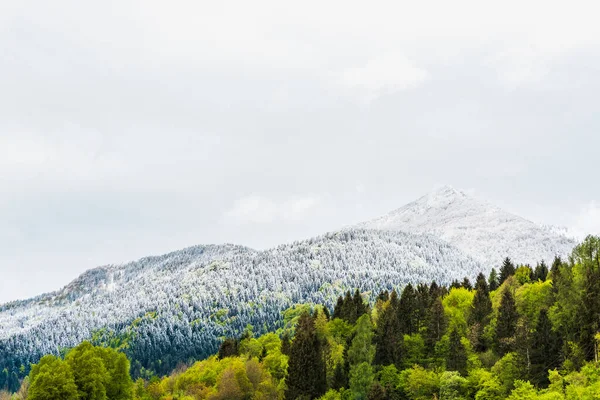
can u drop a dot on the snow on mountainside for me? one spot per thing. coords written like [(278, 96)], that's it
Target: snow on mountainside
[(486, 232), (178, 306)]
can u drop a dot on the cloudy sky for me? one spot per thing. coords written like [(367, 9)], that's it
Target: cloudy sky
[(131, 128)]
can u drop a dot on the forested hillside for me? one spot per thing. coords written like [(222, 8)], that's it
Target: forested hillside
[(519, 333), (176, 308)]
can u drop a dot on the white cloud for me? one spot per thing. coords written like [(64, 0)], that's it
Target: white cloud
[(256, 209), (389, 73), (588, 220)]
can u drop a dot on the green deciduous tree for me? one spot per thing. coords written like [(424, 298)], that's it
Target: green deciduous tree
[(52, 379)]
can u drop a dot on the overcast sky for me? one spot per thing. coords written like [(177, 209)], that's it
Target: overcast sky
[(135, 128)]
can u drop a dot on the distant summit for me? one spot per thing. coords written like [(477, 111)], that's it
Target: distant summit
[(478, 228)]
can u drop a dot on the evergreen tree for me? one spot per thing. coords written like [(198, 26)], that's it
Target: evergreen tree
[(340, 379), (466, 283), (286, 343), (508, 269), (407, 311), (229, 348), (388, 338), (359, 307), (506, 325), (481, 311), (457, 354), (338, 309), (376, 392), (423, 304), (541, 272), (493, 280), (437, 324), (362, 349), (305, 365), (590, 313), (545, 350)]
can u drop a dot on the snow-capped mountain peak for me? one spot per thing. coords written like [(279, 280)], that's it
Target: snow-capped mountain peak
[(478, 228)]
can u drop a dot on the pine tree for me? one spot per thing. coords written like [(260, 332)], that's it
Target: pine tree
[(541, 272), (305, 365), (508, 269), (359, 307), (545, 350), (229, 348), (590, 313), (423, 303), (493, 280), (388, 338), (457, 354), (481, 310), (339, 380), (286, 343), (338, 309), (437, 324), (466, 283), (376, 392), (506, 325), (407, 311)]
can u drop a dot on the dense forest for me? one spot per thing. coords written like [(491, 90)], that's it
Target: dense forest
[(520, 333)]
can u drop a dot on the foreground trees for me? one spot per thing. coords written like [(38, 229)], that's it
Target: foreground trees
[(87, 373), (534, 337)]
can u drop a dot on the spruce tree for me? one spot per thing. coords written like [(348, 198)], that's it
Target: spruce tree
[(229, 348), (466, 283), (457, 354), (376, 392), (437, 324), (506, 325), (339, 380), (493, 280), (388, 339), (408, 311), (590, 313), (359, 307), (545, 350), (481, 310), (541, 272), (305, 365), (286, 343), (508, 269), (338, 309)]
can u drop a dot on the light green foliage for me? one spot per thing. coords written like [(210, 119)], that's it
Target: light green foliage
[(532, 297), (523, 391), (331, 395), (52, 379), (523, 275), (483, 385), (457, 305), (508, 369), (362, 349), (419, 383), (414, 350), (361, 379), (453, 386)]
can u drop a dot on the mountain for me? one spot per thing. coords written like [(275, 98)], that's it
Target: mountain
[(176, 307), (478, 228)]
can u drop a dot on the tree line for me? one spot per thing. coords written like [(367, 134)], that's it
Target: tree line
[(519, 333)]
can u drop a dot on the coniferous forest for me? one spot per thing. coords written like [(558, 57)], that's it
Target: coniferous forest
[(523, 332)]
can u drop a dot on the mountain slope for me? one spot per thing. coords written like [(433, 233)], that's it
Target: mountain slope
[(176, 307), (486, 232)]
